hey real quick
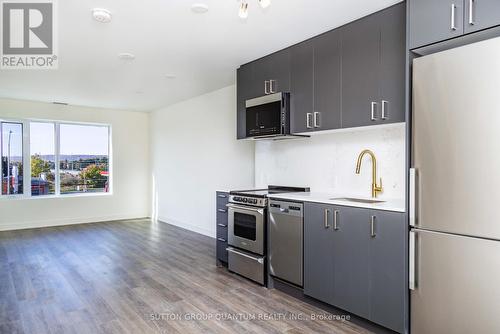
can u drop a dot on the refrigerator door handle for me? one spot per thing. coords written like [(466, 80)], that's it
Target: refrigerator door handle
[(412, 280), (413, 197)]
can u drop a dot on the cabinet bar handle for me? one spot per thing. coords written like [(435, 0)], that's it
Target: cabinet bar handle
[(222, 210), (374, 106), (308, 120), (384, 109), (412, 261), (221, 225), (222, 240), (266, 85), (372, 227), (316, 119), (453, 25), (272, 86), (222, 196), (326, 218), (471, 12), (335, 220)]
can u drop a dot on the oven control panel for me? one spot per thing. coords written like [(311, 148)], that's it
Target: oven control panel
[(246, 200)]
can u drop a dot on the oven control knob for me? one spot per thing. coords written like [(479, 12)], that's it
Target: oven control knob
[(245, 200)]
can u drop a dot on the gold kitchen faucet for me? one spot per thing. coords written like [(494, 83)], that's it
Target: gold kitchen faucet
[(375, 188)]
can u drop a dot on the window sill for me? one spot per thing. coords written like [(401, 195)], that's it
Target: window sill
[(41, 197)]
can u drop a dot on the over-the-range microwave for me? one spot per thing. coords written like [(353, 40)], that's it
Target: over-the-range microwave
[(268, 117)]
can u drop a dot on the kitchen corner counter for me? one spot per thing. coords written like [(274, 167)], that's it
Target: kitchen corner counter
[(396, 205)]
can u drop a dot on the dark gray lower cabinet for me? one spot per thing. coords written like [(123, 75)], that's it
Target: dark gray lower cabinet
[(355, 259), (351, 253), (318, 252), (387, 269), (221, 227)]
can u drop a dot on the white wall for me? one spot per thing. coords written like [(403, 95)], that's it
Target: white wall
[(326, 162), (131, 177), (194, 152)]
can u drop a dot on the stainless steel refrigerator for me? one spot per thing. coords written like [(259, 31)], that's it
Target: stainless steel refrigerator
[(455, 191)]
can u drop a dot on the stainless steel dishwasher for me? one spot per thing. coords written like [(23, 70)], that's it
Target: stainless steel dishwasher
[(286, 233)]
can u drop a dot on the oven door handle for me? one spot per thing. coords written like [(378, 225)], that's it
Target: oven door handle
[(244, 208)]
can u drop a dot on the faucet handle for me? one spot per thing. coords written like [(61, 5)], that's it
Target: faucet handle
[(379, 187)]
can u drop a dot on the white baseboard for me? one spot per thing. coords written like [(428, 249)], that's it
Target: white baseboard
[(187, 226), (61, 222)]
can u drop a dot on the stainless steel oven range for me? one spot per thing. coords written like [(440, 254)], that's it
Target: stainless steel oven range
[(247, 225)]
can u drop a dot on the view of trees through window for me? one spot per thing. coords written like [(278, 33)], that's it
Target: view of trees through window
[(84, 158), (42, 148), (12, 157), (63, 158)]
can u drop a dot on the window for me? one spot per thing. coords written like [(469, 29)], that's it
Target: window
[(12, 158), (43, 158), (59, 159), (84, 158)]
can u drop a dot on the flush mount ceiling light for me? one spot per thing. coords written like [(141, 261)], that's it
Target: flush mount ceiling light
[(264, 3), (199, 8), (126, 56), (243, 11), (101, 15)]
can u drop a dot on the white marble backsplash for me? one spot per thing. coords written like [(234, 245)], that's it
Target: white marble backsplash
[(326, 162)]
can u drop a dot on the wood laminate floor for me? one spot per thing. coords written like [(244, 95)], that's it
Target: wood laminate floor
[(137, 277)]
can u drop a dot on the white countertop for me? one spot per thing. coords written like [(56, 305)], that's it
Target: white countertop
[(397, 205)]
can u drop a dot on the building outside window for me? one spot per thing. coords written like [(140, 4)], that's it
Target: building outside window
[(64, 158), (12, 158), (84, 158)]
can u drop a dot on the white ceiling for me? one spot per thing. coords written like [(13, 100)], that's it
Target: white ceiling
[(201, 50)]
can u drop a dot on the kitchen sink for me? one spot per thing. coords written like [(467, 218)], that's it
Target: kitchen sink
[(357, 200)]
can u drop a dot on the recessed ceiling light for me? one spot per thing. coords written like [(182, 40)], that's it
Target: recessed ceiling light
[(264, 3), (170, 76), (139, 92), (199, 8), (126, 56), (101, 15)]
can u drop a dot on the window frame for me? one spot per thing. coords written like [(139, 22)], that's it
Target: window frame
[(26, 167), (27, 159)]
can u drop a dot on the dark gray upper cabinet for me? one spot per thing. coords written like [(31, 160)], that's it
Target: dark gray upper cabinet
[(327, 80), (360, 71), (244, 92), (387, 269), (271, 74), (301, 86), (351, 76), (431, 21), (352, 261), (373, 69), (481, 14), (392, 65), (318, 252)]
